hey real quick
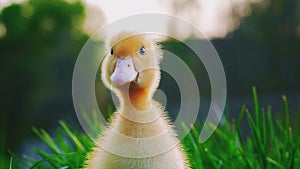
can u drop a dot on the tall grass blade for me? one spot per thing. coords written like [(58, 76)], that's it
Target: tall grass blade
[(77, 143), (46, 159)]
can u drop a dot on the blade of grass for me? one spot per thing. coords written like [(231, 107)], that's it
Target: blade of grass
[(55, 162), (272, 161), (256, 109), (42, 134), (77, 143), (29, 160), (10, 163), (287, 112), (87, 120), (195, 147), (195, 132), (49, 158), (256, 140), (273, 142), (238, 124), (220, 132), (242, 149), (65, 167), (264, 131), (18, 158), (63, 142)]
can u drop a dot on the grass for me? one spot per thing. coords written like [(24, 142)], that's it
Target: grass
[(65, 150), (273, 142)]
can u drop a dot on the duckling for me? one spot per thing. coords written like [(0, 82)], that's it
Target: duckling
[(140, 135)]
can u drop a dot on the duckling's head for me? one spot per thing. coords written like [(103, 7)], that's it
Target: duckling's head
[(132, 65)]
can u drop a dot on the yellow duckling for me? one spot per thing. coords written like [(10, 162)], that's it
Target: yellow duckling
[(140, 135)]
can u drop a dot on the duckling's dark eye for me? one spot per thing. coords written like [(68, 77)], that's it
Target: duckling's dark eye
[(111, 52), (142, 50)]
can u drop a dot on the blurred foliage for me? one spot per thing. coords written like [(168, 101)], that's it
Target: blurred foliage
[(264, 50), (40, 41)]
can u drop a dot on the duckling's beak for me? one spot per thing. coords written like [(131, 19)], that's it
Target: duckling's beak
[(124, 71)]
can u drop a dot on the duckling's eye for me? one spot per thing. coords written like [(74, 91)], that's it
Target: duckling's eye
[(142, 50), (112, 52)]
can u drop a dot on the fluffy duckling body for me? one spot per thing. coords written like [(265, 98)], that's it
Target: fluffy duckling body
[(140, 135)]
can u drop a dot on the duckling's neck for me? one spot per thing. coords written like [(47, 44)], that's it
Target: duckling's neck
[(136, 98)]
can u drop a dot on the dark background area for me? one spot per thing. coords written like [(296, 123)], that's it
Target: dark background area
[(40, 41)]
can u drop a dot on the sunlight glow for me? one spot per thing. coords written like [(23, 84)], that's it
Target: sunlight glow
[(214, 18)]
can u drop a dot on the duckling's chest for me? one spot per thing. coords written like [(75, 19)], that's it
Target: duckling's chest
[(169, 160), (141, 146), (161, 152)]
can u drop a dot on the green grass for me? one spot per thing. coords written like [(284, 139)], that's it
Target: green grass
[(273, 142), (65, 150)]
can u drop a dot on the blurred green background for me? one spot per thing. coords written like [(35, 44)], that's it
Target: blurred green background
[(41, 39)]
